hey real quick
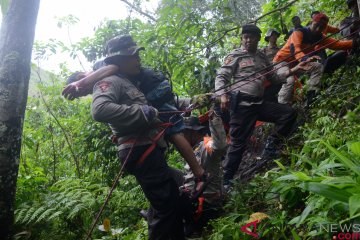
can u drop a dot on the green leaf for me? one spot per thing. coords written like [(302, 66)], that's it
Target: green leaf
[(355, 148), (294, 234), (306, 212), (340, 182), (327, 191), (45, 214), (281, 166), (347, 219), (36, 213), (294, 220), (328, 166), (354, 204), (346, 161), (301, 176), (287, 177), (55, 214)]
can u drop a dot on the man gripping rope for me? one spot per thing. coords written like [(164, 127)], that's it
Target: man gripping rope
[(246, 66)]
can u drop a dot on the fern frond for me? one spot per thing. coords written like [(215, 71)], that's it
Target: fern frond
[(55, 214), (70, 204), (76, 210), (36, 213), (45, 214), (20, 213), (29, 213)]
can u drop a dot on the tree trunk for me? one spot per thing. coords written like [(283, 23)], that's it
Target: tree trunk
[(16, 41)]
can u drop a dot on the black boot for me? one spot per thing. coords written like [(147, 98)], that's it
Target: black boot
[(310, 98), (271, 149)]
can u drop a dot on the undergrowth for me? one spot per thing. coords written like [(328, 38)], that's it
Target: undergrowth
[(317, 183)]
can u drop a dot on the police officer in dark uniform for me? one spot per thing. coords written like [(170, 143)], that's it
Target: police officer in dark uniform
[(244, 65), (118, 102)]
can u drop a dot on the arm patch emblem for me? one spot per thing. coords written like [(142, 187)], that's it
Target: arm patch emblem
[(228, 60), (104, 86)]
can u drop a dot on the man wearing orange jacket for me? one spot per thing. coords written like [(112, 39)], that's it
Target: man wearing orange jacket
[(300, 46)]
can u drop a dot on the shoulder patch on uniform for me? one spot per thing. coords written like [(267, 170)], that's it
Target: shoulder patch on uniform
[(228, 60), (104, 86)]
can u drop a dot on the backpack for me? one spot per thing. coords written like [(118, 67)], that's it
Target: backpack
[(156, 88)]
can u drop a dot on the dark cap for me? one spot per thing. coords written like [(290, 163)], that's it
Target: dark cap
[(122, 45), (251, 28), (270, 32), (193, 123), (295, 17), (350, 3)]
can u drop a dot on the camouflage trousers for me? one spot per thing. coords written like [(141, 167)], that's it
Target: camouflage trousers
[(286, 93)]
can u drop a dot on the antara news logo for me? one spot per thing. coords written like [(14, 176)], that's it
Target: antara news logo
[(350, 231)]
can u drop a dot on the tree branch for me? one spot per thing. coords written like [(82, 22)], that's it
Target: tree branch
[(139, 10), (275, 10), (212, 43)]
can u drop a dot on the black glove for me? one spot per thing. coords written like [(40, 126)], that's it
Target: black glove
[(150, 112)]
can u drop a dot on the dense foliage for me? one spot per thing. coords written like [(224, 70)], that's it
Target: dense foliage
[(316, 183), (68, 161)]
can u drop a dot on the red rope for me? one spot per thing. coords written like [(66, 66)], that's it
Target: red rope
[(266, 73), (289, 57), (288, 63), (154, 142), (140, 161)]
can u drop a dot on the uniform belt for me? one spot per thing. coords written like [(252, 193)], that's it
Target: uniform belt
[(238, 96), (154, 141), (248, 98), (115, 140)]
